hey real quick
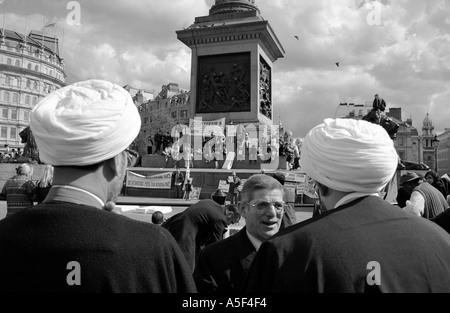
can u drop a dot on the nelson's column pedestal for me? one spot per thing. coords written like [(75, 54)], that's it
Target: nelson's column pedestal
[(233, 51)]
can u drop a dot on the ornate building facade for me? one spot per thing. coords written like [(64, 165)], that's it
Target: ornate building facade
[(30, 68), (171, 101), (410, 145), (443, 152)]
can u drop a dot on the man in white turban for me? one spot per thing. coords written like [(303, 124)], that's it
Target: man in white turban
[(72, 242), (362, 243)]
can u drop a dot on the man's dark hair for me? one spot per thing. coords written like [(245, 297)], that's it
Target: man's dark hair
[(157, 218), (280, 177), (232, 213)]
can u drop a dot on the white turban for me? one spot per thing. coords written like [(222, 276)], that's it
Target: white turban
[(349, 156), (84, 123)]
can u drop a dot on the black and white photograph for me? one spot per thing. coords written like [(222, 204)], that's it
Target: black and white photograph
[(226, 152)]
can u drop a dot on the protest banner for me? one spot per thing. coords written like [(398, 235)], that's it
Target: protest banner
[(160, 181), (202, 128)]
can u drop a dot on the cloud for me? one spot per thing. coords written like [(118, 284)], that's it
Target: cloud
[(406, 59)]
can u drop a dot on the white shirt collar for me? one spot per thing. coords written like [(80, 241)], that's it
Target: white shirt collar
[(255, 242), (100, 203), (353, 196)]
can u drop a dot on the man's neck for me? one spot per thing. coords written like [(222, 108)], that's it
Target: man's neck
[(91, 182)]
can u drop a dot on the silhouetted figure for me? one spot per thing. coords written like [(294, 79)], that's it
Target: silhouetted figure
[(158, 218)]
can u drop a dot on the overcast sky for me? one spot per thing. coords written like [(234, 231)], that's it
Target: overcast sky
[(405, 59)]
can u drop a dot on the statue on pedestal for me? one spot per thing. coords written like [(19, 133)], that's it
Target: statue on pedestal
[(379, 117), (30, 152)]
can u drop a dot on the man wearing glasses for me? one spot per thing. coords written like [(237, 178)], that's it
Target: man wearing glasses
[(361, 243), (221, 267), (70, 242)]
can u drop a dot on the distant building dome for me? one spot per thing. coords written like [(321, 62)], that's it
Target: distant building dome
[(230, 6), (427, 120)]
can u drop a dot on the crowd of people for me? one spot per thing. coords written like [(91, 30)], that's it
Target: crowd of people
[(11, 155), (359, 242)]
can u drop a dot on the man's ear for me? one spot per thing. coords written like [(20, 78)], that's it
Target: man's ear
[(117, 163), (323, 190), (242, 210)]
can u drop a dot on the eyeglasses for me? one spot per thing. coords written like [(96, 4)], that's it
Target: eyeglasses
[(264, 205), (132, 157)]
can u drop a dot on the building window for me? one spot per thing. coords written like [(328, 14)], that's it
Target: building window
[(29, 66), (6, 97), (5, 113), (34, 100), (183, 114), (15, 98), (12, 133), (146, 121), (14, 114), (174, 114), (35, 85), (17, 63), (36, 68), (9, 61), (26, 116), (3, 132), (7, 80), (27, 99)]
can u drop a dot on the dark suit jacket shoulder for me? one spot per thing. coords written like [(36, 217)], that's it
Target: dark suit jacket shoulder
[(331, 253), (221, 267), (115, 253), (199, 225)]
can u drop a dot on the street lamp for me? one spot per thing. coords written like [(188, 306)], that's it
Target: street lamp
[(435, 145)]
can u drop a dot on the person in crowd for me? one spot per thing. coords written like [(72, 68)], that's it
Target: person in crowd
[(443, 220), (187, 189), (289, 216), (200, 225), (19, 191), (289, 151), (177, 183), (253, 154), (434, 180), (44, 184), (72, 242), (362, 243), (167, 152), (425, 200), (222, 266), (158, 218), (233, 192), (402, 197), (296, 154)]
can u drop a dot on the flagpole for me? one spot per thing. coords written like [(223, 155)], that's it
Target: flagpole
[(26, 24), (43, 25), (62, 42), (4, 17)]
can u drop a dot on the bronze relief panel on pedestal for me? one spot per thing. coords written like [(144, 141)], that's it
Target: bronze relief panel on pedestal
[(223, 83)]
